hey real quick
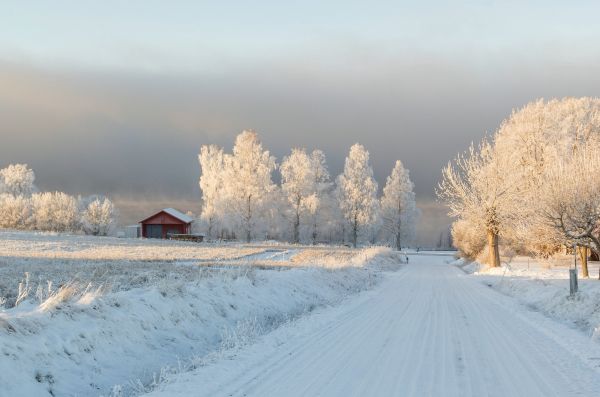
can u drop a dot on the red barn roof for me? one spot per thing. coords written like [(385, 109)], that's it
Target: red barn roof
[(183, 218)]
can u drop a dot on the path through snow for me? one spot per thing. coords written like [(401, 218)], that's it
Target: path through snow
[(428, 330)]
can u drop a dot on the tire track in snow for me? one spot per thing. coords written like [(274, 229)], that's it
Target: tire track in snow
[(293, 352)]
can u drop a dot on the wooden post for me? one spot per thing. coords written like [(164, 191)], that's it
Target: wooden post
[(573, 287)]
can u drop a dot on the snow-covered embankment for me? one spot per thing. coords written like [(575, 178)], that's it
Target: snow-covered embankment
[(543, 285), (86, 342)]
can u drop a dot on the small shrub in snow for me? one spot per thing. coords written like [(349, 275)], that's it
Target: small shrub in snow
[(99, 216), (16, 211), (55, 211)]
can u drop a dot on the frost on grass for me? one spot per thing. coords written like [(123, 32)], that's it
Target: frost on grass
[(85, 326)]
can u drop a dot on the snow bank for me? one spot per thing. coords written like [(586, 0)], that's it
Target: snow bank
[(543, 285), (333, 259), (467, 266), (93, 340)]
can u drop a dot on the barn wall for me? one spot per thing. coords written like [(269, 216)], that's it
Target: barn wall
[(169, 223)]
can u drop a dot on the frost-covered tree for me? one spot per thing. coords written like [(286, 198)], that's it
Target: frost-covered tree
[(339, 224), (17, 179), (275, 219), (297, 182), (532, 141), (357, 191), (373, 229), (511, 191), (570, 203), (478, 189), (398, 207), (319, 204), (543, 132), (23, 209), (15, 210), (98, 216), (212, 168), (56, 211), (247, 183)]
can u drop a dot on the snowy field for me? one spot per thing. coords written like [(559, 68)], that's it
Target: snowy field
[(41, 262), (543, 285), (105, 316)]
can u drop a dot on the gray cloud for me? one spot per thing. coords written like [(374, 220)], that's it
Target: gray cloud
[(138, 134)]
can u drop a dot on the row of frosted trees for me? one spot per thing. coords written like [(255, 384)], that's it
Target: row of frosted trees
[(533, 187), (23, 207), (240, 199)]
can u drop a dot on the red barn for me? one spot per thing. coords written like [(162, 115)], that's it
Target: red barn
[(166, 221)]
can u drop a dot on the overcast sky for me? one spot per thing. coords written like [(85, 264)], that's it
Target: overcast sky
[(117, 97)]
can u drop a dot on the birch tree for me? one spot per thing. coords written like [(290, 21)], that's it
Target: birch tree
[(357, 191), (297, 184), (212, 169), (320, 204), (398, 207), (247, 182)]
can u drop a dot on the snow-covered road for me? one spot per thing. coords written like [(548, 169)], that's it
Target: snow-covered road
[(427, 330)]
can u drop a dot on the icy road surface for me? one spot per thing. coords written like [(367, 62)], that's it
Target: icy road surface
[(427, 330)]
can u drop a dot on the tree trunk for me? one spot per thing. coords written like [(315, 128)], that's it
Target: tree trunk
[(296, 236), (297, 228), (399, 230), (494, 250), (249, 220), (583, 256), (210, 228), (355, 231)]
